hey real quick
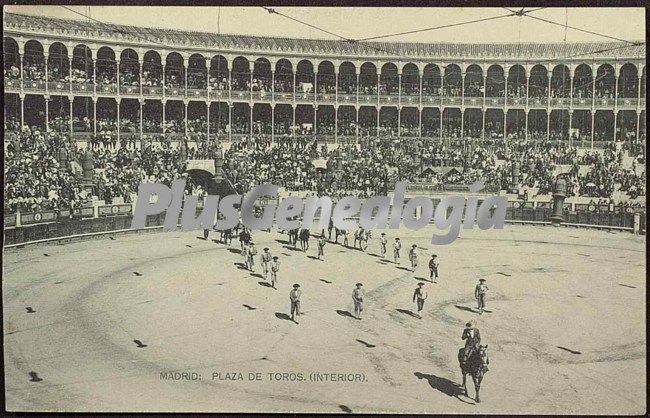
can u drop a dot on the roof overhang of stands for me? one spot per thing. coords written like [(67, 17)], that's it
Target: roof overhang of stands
[(120, 37)]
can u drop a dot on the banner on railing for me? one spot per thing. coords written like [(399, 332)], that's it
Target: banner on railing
[(87, 212), (424, 187), (38, 217), (10, 220), (115, 210)]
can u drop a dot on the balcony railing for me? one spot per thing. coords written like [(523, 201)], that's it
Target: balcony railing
[(83, 88), (241, 95), (347, 98), (13, 84), (605, 102), (495, 101), (411, 98), (388, 99), (304, 96), (473, 101), (34, 85), (326, 97), (283, 97), (174, 91), (582, 102), (431, 100), (452, 101), (516, 101), (218, 94), (197, 92), (58, 86), (130, 90), (627, 102), (152, 91), (560, 102), (106, 88), (262, 95), (537, 101)]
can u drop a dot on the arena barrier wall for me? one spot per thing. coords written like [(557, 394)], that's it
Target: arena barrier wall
[(85, 223)]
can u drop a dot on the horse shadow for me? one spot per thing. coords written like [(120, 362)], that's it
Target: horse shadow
[(241, 266), (288, 247), (403, 268), (265, 284), (202, 238), (282, 241), (422, 279), (443, 385), (345, 313), (407, 312), (259, 276), (312, 257), (234, 250)]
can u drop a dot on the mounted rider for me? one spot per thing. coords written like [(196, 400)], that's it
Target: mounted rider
[(472, 337)]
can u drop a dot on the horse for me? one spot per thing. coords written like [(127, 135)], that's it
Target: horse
[(304, 239), (293, 236), (338, 233), (362, 237), (475, 365), (226, 236), (244, 237)]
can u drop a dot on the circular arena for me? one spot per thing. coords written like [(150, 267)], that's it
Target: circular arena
[(97, 322)]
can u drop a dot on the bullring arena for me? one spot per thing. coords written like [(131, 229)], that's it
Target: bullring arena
[(564, 325)]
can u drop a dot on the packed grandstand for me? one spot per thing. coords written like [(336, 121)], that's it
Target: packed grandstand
[(309, 115)]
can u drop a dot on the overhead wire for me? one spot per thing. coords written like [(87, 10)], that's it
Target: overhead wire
[(565, 26), (452, 25)]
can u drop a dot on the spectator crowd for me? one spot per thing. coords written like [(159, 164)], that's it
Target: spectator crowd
[(43, 170)]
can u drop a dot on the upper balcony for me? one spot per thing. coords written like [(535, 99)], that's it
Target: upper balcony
[(299, 97)]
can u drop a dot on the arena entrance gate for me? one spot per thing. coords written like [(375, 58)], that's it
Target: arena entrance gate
[(203, 172)]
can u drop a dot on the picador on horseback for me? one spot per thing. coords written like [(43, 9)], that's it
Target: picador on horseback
[(362, 237), (473, 358)]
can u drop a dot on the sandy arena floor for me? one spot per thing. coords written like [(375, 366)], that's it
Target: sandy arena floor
[(566, 327)]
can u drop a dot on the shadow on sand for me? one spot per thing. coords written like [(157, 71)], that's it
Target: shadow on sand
[(345, 313), (345, 408), (368, 345), (443, 385), (283, 316), (407, 312)]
